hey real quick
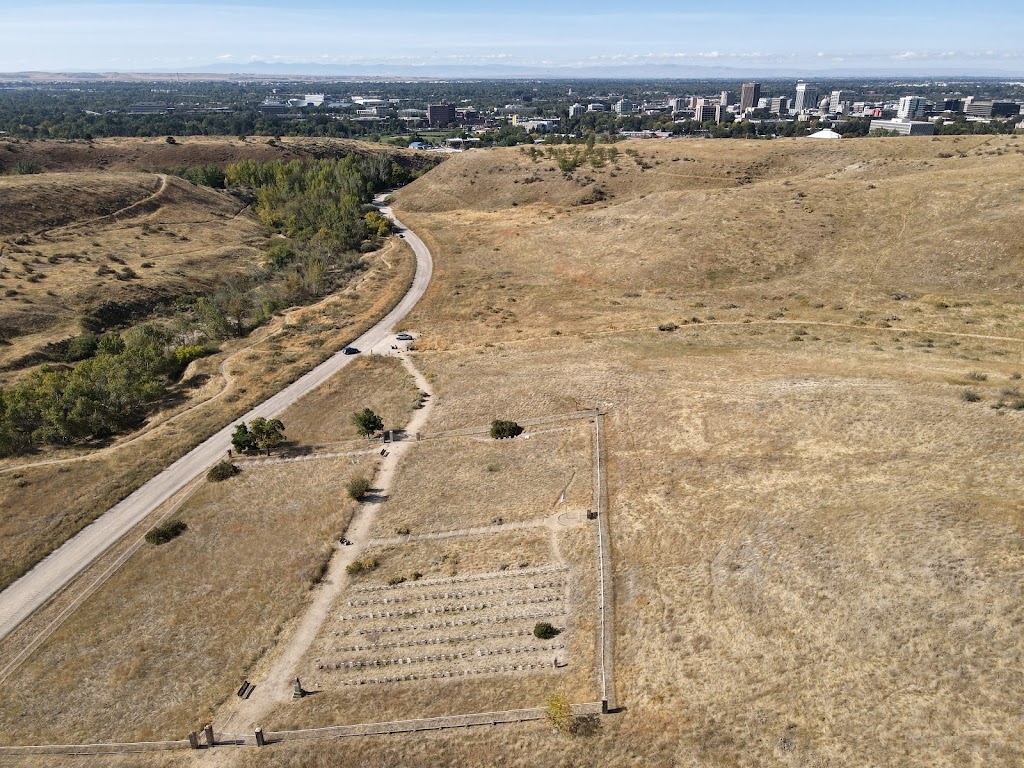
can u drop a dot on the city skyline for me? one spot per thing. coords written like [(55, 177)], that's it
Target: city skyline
[(572, 38)]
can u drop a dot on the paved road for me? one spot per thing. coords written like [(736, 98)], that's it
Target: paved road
[(32, 590)]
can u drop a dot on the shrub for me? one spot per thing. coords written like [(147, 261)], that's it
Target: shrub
[(26, 167), (667, 327), (559, 714), (394, 581), (544, 631), (365, 565), (970, 396), (505, 429), (403, 531), (186, 353), (172, 529), (222, 471), (358, 487), (977, 376)]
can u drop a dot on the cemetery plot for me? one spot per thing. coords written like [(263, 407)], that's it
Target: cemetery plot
[(436, 629), (469, 481)]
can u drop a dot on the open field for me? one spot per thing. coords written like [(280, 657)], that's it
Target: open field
[(809, 230), (376, 382), (174, 632), (450, 483), (816, 540)]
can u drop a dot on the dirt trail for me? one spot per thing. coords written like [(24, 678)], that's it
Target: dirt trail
[(274, 685), (64, 564), (128, 209)]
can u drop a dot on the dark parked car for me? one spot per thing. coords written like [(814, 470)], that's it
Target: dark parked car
[(350, 351)]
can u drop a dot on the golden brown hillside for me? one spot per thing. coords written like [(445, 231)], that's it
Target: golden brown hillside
[(810, 358), (854, 222), (815, 519), (77, 242)]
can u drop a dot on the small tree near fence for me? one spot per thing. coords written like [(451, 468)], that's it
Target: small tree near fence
[(367, 422), (505, 429)]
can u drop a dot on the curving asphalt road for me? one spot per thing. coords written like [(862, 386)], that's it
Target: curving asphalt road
[(36, 587)]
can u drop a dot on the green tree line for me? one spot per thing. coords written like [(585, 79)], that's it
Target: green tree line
[(106, 393)]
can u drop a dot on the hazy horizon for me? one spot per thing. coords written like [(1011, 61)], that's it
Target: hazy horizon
[(533, 37)]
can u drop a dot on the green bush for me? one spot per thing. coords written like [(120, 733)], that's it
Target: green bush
[(186, 353), (544, 631), (358, 487), (222, 471), (172, 529), (505, 429)]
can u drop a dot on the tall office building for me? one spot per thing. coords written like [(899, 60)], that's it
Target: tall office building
[(724, 99), (440, 115), (911, 107), (708, 110), (779, 105), (806, 97), (576, 110), (839, 98), (749, 96)]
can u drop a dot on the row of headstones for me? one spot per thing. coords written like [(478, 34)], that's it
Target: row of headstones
[(460, 623), (464, 579), (389, 662), (436, 641), (479, 653), (530, 649), (450, 608), (455, 595), (437, 675)]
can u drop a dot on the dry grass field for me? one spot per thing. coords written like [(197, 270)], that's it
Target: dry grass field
[(450, 483), (174, 632), (815, 502), (377, 382), (817, 540)]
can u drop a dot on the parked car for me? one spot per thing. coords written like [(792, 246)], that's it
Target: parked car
[(350, 351), (405, 337)]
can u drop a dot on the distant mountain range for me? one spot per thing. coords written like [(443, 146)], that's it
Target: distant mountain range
[(365, 72)]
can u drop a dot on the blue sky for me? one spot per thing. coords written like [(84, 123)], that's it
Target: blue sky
[(898, 36)]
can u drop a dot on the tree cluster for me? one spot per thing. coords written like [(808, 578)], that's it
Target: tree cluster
[(108, 392), (260, 434)]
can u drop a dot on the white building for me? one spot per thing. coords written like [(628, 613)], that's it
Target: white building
[(911, 107), (905, 127), (806, 97)]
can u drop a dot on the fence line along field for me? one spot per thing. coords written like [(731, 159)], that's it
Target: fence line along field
[(471, 614)]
